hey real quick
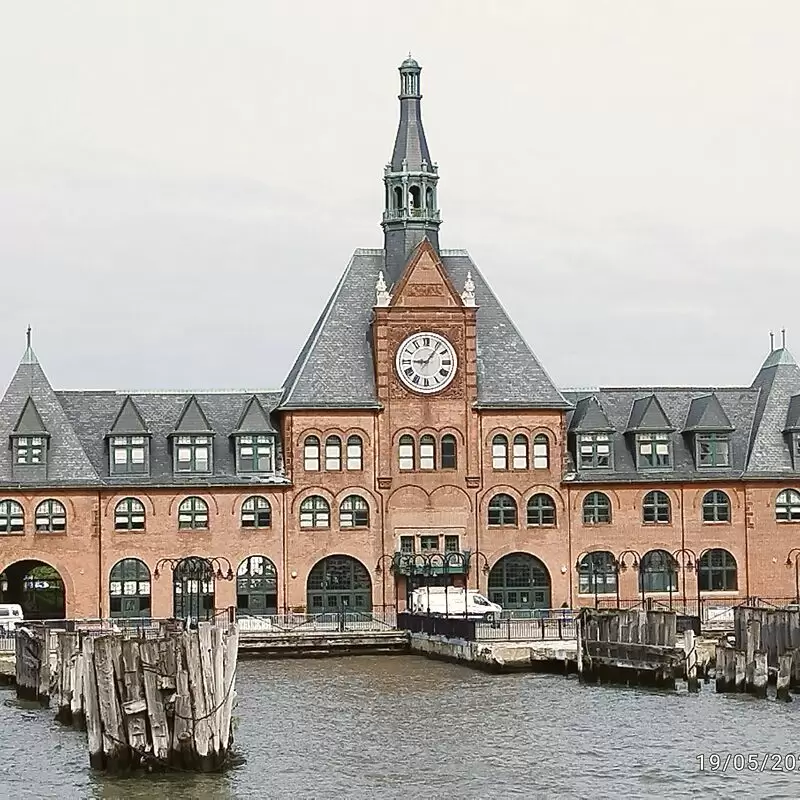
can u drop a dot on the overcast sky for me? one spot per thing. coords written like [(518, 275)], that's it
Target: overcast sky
[(182, 183)]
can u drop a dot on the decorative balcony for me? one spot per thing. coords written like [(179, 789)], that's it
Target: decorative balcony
[(431, 563)]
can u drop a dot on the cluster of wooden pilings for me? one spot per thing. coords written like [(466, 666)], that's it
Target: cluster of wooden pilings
[(157, 702), (628, 647), (766, 647)]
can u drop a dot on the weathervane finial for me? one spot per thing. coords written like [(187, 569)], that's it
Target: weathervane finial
[(28, 335)]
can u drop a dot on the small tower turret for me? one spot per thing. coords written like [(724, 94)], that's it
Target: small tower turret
[(411, 204)]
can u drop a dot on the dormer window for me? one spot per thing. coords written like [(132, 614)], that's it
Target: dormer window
[(712, 450), (796, 449), (594, 451), (128, 455), (193, 454), (653, 451), (29, 449), (255, 453)]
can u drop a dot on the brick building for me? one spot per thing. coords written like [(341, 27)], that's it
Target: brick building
[(417, 439)]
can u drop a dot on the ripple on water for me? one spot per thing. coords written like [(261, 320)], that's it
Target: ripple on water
[(399, 727)]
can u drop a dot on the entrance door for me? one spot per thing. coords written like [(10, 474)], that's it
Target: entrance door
[(338, 583), (520, 582)]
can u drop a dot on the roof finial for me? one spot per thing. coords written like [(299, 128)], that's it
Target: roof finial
[(771, 341), (468, 295), (783, 338), (28, 335), (382, 296)]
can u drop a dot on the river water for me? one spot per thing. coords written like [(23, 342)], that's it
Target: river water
[(405, 727)]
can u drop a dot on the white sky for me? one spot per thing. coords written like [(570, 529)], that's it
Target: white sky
[(182, 183)]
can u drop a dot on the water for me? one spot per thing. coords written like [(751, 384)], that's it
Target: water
[(404, 727)]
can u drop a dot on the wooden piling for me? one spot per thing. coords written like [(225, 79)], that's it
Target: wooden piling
[(32, 670), (690, 657), (784, 676), (760, 674), (740, 676)]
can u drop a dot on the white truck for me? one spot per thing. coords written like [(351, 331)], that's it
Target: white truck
[(453, 601)]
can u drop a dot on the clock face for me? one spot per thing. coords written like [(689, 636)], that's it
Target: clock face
[(426, 362)]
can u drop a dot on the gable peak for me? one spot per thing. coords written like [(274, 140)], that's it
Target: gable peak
[(193, 418), (254, 418), (648, 415), (30, 421), (424, 281), (707, 414), (129, 420)]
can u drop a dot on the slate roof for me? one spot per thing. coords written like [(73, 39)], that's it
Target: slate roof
[(589, 417), (737, 403), (410, 143), (79, 423), (778, 381), (335, 367), (707, 414)]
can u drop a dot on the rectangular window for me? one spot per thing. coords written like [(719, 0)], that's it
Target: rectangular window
[(255, 453), (653, 451), (451, 544), (429, 543), (192, 454), (594, 451), (354, 454), (406, 455), (29, 449), (406, 544), (128, 455), (427, 455), (448, 452), (713, 450)]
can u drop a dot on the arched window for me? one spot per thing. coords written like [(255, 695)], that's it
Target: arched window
[(338, 583), (405, 452), (656, 508), (193, 589), (427, 452), (716, 506), (257, 586), (787, 506), (658, 572), (541, 510), (449, 458), (12, 517), (597, 573), (333, 454), (500, 452), (256, 512), (193, 514), (398, 198), (51, 516), (354, 512), (429, 198), (717, 571), (519, 452), (502, 510), (416, 197), (315, 512), (520, 581), (129, 515), (541, 451), (596, 509), (355, 453), (311, 454), (129, 589)]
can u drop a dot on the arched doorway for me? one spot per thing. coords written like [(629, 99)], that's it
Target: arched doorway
[(520, 581), (338, 583), (193, 589), (257, 586), (37, 587), (129, 589)]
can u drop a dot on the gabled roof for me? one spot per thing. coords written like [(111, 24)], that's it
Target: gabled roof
[(589, 417), (192, 419), (778, 381), (335, 368), (253, 419), (68, 463), (706, 414), (30, 421), (793, 415), (129, 421), (648, 415)]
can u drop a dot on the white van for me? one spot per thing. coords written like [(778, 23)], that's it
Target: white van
[(10, 617), (453, 601)]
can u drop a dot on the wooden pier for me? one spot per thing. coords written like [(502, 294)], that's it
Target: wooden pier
[(151, 700), (629, 647), (766, 650)]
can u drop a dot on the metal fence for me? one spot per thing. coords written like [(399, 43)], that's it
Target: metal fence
[(329, 621), (560, 624)]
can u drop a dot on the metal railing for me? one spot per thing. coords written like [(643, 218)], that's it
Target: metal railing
[(451, 627), (328, 621), (558, 625)]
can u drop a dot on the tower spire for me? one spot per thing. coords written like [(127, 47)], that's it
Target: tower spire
[(411, 210)]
